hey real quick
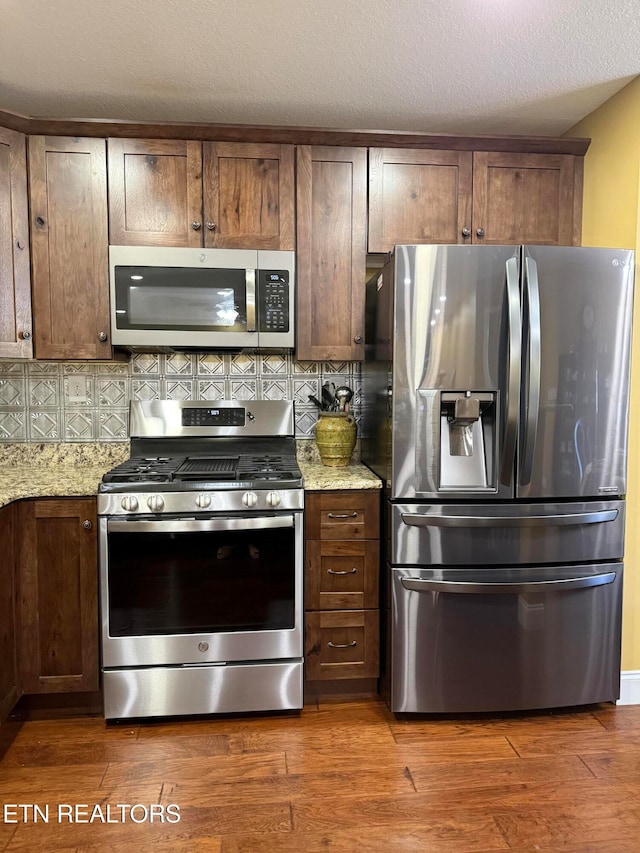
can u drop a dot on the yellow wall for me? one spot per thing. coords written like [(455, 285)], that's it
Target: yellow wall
[(611, 217)]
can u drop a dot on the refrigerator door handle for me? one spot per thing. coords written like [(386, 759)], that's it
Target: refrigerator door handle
[(417, 585), (532, 290), (513, 377), (559, 520)]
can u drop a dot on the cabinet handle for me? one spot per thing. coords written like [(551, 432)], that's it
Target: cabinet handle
[(350, 572), (480, 232), (342, 515), (211, 226), (87, 524), (358, 339), (466, 232), (196, 225), (342, 645), (102, 336), (25, 336), (40, 221)]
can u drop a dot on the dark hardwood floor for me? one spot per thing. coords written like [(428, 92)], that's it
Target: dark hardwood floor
[(343, 776)]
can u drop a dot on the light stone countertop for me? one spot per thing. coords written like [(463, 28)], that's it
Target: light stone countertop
[(73, 470)]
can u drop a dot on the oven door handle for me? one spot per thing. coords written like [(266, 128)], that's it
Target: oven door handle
[(197, 525)]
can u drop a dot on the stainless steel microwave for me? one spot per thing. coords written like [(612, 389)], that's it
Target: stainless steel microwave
[(181, 298)]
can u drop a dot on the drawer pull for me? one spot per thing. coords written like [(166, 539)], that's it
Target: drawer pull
[(343, 515), (342, 645), (349, 572)]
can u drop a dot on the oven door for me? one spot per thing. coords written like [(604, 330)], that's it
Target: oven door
[(201, 590)]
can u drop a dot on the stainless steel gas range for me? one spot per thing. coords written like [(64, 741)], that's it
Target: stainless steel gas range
[(201, 554)]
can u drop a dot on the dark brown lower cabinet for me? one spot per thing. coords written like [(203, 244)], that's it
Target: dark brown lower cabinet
[(57, 603), (9, 690), (341, 590)]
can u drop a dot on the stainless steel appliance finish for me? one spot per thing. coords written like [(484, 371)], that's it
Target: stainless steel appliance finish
[(185, 298), (498, 381), (201, 555)]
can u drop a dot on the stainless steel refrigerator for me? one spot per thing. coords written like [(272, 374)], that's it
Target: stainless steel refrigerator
[(495, 408)]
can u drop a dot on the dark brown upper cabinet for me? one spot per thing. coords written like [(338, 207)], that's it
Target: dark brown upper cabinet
[(331, 254), (492, 197), (69, 248), (186, 193), (16, 340), (527, 198), (418, 196)]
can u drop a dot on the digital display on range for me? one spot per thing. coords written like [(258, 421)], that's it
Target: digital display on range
[(204, 417)]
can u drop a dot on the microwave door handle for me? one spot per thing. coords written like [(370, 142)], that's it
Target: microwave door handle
[(251, 300)]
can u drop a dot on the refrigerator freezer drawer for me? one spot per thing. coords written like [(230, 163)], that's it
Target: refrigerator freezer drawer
[(506, 534), (533, 638)]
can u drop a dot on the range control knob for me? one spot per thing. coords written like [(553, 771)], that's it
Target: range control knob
[(273, 499), (250, 499), (129, 503), (203, 500), (155, 503)]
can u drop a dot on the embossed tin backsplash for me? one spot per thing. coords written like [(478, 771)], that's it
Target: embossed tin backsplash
[(43, 401)]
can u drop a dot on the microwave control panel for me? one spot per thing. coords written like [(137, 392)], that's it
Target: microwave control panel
[(273, 300)]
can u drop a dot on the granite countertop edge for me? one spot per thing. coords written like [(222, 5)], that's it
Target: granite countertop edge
[(50, 477)]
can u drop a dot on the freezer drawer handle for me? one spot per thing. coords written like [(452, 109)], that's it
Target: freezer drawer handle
[(501, 588), (510, 520)]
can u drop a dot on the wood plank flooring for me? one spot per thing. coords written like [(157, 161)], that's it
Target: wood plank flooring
[(344, 776)]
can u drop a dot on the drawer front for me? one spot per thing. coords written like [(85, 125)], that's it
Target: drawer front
[(342, 644), (341, 575), (342, 515)]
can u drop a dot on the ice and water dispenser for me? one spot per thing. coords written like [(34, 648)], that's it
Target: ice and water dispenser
[(457, 441)]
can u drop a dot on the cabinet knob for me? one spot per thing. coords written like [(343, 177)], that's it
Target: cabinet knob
[(40, 221), (466, 232), (25, 335), (87, 524), (196, 225), (102, 336), (211, 226), (479, 232), (358, 339)]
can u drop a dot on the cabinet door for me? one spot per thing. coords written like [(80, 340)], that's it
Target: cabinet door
[(68, 196), (15, 284), (9, 692), (527, 198), (418, 196), (342, 644), (342, 575), (248, 196), (342, 515), (58, 596), (331, 220), (155, 192)]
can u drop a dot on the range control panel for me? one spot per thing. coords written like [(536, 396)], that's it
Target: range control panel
[(197, 417), (273, 300)]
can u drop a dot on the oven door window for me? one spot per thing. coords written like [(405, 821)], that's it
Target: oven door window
[(182, 299), (201, 582)]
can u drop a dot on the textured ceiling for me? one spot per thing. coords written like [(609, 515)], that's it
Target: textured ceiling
[(436, 66)]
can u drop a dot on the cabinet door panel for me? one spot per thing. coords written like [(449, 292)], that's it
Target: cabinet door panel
[(248, 196), (418, 196), (58, 596), (155, 192), (331, 217), (342, 515), (9, 692), (342, 575), (68, 195), (526, 198), (15, 285)]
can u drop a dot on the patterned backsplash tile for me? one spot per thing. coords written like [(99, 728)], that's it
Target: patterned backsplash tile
[(39, 401)]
